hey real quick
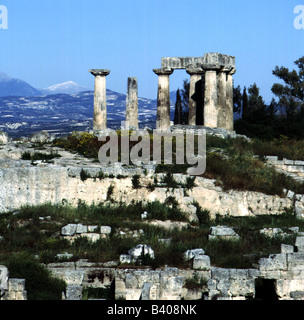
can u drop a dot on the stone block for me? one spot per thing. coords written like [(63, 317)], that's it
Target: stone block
[(3, 138), (272, 232), (223, 232), (297, 295), (290, 194), (273, 263), (81, 228), (16, 284), (93, 237), (220, 273), (140, 249), (201, 262), (73, 292), (299, 209), (300, 243), (3, 278), (299, 197), (105, 230), (125, 258), (69, 230), (92, 228), (190, 254), (295, 261), (271, 158), (238, 274), (73, 277), (288, 162), (285, 248)]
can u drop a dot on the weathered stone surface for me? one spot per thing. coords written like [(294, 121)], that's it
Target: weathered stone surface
[(190, 254), (132, 103), (81, 228), (140, 249), (105, 230), (299, 209), (275, 262), (93, 237), (73, 292), (3, 278), (223, 232), (300, 243), (125, 258), (100, 99), (201, 262), (3, 138), (69, 230), (285, 248)]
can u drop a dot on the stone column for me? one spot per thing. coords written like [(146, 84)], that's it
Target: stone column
[(163, 98), (221, 97), (195, 93), (211, 99), (229, 100), (132, 103), (100, 99)]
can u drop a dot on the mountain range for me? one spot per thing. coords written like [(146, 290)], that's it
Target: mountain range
[(62, 108)]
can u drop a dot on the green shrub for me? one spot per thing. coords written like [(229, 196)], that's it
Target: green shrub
[(39, 284), (110, 192), (136, 181), (84, 175)]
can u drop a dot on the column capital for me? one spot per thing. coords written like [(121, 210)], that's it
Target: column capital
[(232, 71), (198, 71), (163, 71), (99, 72), (211, 67)]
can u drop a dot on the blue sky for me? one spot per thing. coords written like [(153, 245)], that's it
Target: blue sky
[(52, 41)]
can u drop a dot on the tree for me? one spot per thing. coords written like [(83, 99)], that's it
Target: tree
[(257, 110), (237, 99), (290, 94), (178, 109), (245, 104), (185, 100)]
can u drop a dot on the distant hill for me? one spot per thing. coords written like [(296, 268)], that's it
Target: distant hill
[(68, 87), (15, 87)]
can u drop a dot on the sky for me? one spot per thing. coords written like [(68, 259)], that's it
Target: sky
[(53, 41)]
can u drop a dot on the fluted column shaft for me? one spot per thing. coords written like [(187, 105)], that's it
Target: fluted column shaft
[(211, 98), (132, 103), (195, 93), (163, 98), (100, 99)]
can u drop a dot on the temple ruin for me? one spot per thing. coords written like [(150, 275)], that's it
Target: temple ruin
[(210, 94)]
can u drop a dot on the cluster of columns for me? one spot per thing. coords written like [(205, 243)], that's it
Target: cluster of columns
[(100, 101), (211, 87), (211, 90)]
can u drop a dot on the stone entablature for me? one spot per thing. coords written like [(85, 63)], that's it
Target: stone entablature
[(211, 89)]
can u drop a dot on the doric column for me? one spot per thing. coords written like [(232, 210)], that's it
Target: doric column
[(229, 100), (163, 98), (210, 98), (100, 99), (222, 97), (132, 103), (195, 93)]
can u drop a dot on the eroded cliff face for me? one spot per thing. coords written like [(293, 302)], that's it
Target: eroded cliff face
[(22, 183)]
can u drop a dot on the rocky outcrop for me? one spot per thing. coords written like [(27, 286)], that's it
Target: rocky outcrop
[(24, 184)]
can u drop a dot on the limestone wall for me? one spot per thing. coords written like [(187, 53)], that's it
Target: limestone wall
[(24, 184)]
